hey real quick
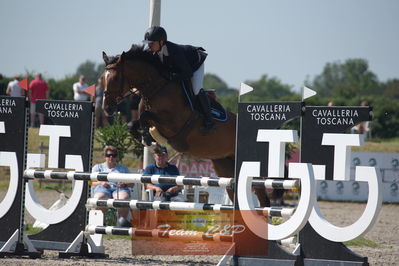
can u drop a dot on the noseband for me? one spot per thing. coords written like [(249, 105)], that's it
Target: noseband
[(119, 98), (132, 90)]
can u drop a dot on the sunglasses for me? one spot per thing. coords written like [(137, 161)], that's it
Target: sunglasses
[(111, 154)]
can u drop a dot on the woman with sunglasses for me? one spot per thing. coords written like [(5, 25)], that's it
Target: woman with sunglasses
[(108, 190)]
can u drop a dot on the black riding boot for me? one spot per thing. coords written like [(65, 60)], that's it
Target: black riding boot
[(208, 125)]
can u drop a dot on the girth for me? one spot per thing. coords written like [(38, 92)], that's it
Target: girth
[(179, 141)]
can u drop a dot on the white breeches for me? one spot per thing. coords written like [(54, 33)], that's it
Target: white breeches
[(197, 79)]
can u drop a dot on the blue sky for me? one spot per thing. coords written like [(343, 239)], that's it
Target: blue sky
[(288, 39)]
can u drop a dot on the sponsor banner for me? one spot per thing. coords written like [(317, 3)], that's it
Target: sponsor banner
[(260, 139), (261, 115), (189, 166), (13, 116), (68, 126), (317, 121), (191, 233), (75, 137)]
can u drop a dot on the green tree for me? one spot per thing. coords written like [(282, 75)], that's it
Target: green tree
[(118, 135), (268, 89), (230, 101), (90, 70), (213, 82), (350, 79), (386, 118), (100, 70), (62, 89), (390, 89)]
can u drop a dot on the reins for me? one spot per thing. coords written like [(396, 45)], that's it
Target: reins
[(148, 97), (131, 89)]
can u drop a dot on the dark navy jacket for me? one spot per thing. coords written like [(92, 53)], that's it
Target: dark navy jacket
[(183, 60)]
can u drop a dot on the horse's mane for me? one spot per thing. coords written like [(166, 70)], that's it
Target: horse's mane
[(137, 52)]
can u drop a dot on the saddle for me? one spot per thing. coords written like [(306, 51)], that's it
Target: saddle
[(179, 142), (218, 112)]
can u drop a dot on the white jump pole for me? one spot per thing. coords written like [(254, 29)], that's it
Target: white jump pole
[(154, 20), (155, 13)]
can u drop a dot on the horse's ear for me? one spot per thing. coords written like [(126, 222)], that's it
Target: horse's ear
[(105, 57), (123, 55)]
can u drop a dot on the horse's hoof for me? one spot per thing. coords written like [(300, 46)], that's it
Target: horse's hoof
[(123, 222), (147, 140)]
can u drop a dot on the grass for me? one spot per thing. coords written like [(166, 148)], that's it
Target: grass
[(362, 242), (29, 230), (377, 145), (117, 237)]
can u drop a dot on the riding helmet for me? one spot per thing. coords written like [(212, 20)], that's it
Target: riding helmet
[(155, 33)]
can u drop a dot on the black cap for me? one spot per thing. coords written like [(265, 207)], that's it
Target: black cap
[(155, 33)]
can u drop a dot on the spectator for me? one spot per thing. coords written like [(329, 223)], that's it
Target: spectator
[(13, 89), (2, 86), (38, 89), (108, 190), (330, 104), (363, 128), (79, 93), (161, 166), (101, 119)]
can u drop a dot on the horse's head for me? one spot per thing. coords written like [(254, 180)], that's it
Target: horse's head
[(115, 87), (134, 70)]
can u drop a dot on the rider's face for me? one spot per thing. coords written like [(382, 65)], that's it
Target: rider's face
[(154, 46)]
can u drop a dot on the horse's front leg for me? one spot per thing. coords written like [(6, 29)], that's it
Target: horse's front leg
[(134, 129), (145, 126)]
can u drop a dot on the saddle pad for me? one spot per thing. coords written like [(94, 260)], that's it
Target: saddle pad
[(218, 112)]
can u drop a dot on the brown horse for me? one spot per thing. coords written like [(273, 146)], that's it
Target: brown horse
[(167, 110)]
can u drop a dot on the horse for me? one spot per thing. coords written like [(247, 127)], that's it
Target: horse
[(166, 109)]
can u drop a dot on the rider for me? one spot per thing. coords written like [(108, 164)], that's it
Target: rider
[(183, 62)]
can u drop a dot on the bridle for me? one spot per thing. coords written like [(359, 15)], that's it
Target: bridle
[(132, 90)]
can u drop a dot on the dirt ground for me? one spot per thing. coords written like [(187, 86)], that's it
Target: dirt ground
[(385, 233)]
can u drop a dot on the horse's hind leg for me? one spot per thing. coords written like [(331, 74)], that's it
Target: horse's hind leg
[(224, 167)]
